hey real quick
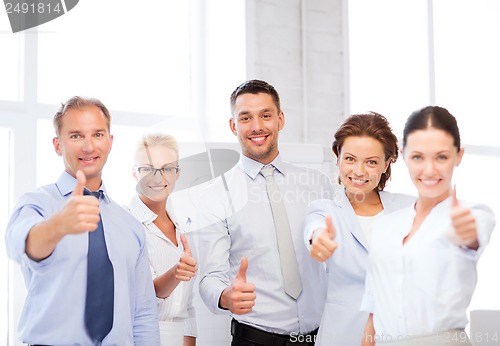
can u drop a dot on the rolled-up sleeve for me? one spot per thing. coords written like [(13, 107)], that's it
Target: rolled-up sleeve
[(214, 249), (25, 216), (213, 244), (485, 223), (190, 327)]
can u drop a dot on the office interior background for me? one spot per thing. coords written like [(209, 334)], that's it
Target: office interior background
[(171, 65)]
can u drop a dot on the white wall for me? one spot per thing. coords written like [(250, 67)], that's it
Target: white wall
[(298, 46)]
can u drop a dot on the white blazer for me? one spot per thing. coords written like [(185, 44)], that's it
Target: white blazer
[(343, 323)]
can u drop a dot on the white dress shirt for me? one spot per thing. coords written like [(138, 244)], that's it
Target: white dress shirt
[(426, 285), (236, 221), (163, 255)]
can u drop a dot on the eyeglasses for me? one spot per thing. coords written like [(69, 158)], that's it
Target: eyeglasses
[(164, 171)]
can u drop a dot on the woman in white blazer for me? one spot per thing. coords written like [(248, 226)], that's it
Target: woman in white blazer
[(365, 148)]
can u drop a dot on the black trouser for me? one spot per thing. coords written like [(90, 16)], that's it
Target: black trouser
[(245, 335)]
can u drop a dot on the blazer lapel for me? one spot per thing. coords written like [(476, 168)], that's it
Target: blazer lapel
[(355, 228), (389, 202)]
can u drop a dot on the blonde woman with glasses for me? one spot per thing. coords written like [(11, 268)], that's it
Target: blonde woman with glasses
[(171, 261)]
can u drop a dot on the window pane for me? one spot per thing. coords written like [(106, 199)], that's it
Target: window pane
[(48, 164), (467, 65), (11, 62), (225, 61), (388, 57), (133, 55)]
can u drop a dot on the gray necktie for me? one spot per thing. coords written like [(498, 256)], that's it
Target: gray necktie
[(289, 266)]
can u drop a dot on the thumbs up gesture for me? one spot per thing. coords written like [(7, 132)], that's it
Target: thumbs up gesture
[(81, 213), (239, 297), (323, 244), (242, 272), (186, 268), (464, 229), (81, 180)]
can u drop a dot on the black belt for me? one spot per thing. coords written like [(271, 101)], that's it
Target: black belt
[(262, 337)]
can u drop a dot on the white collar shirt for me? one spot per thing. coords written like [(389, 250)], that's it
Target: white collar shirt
[(425, 285), (236, 220), (163, 255)]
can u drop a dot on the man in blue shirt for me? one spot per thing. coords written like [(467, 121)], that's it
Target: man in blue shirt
[(48, 235)]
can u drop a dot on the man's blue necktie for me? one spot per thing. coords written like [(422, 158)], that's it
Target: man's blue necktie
[(100, 284)]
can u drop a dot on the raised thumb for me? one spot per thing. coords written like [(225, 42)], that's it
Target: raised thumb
[(454, 201), (185, 244), (242, 273), (330, 228), (80, 184)]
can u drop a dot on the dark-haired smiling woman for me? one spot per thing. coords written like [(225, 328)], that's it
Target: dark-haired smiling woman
[(422, 271), (365, 147)]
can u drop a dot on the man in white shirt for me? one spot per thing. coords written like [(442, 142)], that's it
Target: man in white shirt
[(240, 261)]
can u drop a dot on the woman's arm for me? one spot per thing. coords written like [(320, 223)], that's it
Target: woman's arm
[(184, 270), (369, 333)]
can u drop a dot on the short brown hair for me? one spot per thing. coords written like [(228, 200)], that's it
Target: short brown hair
[(255, 86), (78, 102), (372, 125)]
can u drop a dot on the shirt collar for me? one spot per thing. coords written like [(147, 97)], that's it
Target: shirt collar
[(66, 184), (146, 216), (140, 211), (252, 168)]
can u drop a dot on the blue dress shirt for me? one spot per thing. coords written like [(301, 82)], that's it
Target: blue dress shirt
[(53, 312), (236, 220)]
